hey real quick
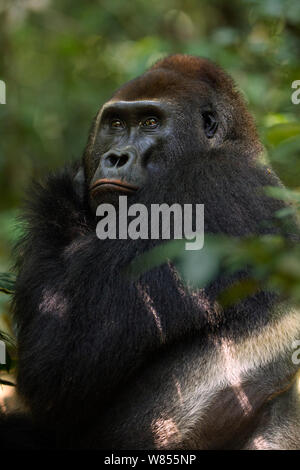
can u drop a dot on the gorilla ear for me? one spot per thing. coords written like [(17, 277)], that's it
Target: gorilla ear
[(79, 180), (210, 124)]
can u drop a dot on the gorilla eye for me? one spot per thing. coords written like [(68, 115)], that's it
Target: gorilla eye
[(150, 123), (210, 124), (116, 124)]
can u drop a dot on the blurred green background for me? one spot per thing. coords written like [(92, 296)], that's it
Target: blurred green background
[(62, 59)]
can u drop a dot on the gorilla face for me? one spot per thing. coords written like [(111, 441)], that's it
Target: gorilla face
[(130, 135), (137, 142)]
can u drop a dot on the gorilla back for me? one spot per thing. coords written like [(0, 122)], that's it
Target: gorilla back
[(114, 363)]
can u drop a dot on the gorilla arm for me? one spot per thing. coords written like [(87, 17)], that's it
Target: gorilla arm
[(84, 329)]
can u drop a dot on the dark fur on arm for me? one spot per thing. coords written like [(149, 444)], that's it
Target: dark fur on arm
[(73, 303)]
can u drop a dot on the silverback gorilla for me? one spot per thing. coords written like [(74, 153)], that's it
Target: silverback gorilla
[(109, 362)]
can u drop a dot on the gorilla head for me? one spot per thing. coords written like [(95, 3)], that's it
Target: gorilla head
[(171, 136)]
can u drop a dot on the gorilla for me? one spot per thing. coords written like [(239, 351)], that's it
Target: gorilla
[(111, 362)]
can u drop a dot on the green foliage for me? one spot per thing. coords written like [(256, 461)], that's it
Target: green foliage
[(273, 264), (7, 283)]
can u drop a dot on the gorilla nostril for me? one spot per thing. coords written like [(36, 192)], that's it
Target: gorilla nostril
[(122, 160), (117, 160)]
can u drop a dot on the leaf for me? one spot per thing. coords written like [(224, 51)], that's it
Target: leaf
[(285, 159), (7, 283), (238, 291), (283, 194), (285, 212), (155, 257), (201, 267), (7, 382), (280, 132)]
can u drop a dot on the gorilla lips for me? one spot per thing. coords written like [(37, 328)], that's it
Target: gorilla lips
[(106, 184)]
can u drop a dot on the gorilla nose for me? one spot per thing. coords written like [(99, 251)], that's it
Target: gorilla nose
[(117, 159), (118, 170)]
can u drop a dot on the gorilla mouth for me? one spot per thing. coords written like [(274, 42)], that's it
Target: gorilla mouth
[(106, 184)]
